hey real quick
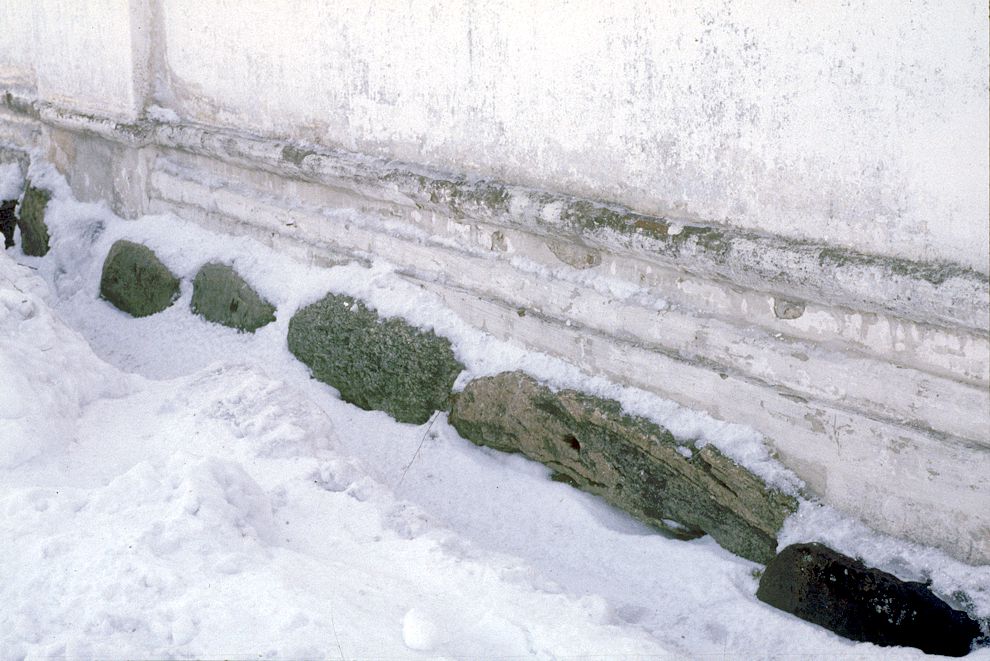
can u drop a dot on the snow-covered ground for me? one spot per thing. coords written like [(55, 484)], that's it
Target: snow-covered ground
[(172, 488)]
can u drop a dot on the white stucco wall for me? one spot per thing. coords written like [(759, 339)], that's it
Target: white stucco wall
[(16, 45), (90, 57), (863, 124)]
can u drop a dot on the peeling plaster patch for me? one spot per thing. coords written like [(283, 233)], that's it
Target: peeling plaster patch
[(518, 204), (785, 309), (499, 242), (816, 423), (574, 254), (551, 213)]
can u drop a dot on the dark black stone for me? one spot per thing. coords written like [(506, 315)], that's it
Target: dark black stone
[(222, 296), (864, 604), (8, 222)]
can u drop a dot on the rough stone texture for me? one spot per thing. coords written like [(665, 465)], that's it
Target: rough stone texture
[(574, 253), (135, 280), (31, 220), (634, 464), (222, 296), (7, 222), (929, 292), (785, 309), (842, 594), (375, 363)]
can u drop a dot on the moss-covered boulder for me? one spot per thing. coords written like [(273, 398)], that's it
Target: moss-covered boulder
[(135, 281), (631, 462), (375, 363), (222, 296), (31, 221), (862, 603)]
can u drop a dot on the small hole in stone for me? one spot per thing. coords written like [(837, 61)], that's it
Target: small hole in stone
[(572, 441)]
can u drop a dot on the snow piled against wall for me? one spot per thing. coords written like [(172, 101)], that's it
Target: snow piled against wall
[(175, 487)]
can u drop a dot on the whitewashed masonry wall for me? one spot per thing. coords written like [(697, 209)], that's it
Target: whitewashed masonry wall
[(776, 216)]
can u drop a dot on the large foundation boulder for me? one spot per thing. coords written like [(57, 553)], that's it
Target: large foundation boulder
[(31, 221), (375, 363), (631, 462), (136, 281), (222, 296), (842, 594)]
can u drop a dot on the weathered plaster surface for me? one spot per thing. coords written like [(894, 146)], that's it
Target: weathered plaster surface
[(16, 45), (862, 124), (89, 56), (779, 217)]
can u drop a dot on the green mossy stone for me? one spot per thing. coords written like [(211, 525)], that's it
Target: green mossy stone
[(375, 363), (31, 221), (135, 281), (631, 462), (222, 296)]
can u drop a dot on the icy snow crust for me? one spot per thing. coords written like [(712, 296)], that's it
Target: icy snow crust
[(169, 487)]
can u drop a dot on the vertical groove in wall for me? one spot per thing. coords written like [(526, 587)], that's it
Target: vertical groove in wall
[(159, 85)]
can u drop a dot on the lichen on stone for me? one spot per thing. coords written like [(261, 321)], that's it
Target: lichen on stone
[(135, 281), (295, 155), (31, 221), (222, 296), (376, 363), (934, 273), (631, 462)]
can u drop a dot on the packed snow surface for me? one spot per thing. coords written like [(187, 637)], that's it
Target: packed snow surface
[(173, 488), (11, 181)]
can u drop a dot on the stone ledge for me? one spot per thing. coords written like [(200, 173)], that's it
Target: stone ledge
[(839, 376), (272, 204), (939, 293)]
